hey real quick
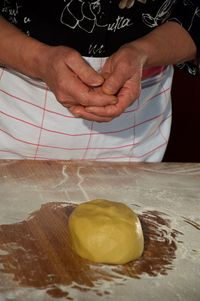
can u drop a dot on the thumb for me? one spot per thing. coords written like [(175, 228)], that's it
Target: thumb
[(114, 81)]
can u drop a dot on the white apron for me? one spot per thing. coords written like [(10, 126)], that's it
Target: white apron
[(34, 125)]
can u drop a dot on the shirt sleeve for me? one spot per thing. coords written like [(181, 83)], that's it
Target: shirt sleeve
[(187, 14)]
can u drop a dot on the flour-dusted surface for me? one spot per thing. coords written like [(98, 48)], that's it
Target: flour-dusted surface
[(36, 262)]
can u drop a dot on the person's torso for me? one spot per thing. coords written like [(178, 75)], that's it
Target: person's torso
[(93, 27)]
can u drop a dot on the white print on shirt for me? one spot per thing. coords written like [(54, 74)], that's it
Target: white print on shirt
[(11, 11), (193, 16), (85, 15), (120, 23), (27, 20), (196, 13), (96, 49), (162, 14)]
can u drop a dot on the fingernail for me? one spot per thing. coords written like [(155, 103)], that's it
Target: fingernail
[(108, 89), (76, 114), (97, 82)]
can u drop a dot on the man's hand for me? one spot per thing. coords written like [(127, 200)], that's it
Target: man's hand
[(66, 73), (122, 72), (73, 81)]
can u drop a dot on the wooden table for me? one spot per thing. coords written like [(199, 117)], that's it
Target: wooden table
[(36, 261)]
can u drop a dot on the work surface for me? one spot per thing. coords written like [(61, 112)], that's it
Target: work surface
[(36, 261)]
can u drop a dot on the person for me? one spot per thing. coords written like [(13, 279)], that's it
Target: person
[(91, 79)]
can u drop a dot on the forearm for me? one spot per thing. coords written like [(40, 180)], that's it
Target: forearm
[(167, 44), (18, 51)]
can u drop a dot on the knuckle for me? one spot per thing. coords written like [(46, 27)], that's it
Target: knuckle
[(73, 56), (117, 113), (84, 99), (64, 98), (113, 114), (61, 90), (124, 66)]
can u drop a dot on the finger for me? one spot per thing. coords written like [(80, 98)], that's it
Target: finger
[(111, 111), (79, 111), (116, 79), (84, 71), (97, 98), (131, 89), (105, 74), (73, 91), (126, 97)]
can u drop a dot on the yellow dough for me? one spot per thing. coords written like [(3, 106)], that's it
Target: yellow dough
[(106, 232)]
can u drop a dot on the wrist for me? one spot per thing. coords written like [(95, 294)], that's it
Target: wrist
[(33, 58), (27, 54), (164, 45), (146, 48)]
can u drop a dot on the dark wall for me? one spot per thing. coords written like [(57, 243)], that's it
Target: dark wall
[(184, 143)]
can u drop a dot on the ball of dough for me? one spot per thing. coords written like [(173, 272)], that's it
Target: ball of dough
[(106, 232)]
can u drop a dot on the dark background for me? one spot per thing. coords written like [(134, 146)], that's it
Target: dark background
[(184, 142)]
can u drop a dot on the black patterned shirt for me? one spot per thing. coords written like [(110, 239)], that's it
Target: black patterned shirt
[(99, 27)]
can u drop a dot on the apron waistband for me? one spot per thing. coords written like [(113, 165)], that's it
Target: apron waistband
[(152, 71)]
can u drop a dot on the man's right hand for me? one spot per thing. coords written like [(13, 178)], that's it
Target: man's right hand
[(71, 78)]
